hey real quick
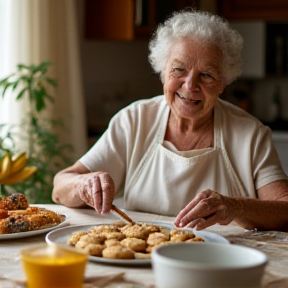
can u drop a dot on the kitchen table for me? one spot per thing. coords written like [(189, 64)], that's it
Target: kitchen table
[(274, 244)]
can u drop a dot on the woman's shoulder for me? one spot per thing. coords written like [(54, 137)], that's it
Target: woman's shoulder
[(237, 118), (155, 102), (148, 108)]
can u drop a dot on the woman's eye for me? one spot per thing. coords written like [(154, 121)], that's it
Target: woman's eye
[(206, 75), (178, 71)]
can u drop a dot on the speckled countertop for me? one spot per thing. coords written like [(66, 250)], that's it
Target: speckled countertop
[(274, 244)]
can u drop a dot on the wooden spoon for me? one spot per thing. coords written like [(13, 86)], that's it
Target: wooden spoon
[(122, 215)]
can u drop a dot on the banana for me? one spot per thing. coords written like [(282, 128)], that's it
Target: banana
[(5, 166), (19, 176), (18, 163)]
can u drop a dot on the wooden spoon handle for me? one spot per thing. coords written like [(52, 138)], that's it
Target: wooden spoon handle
[(122, 214)]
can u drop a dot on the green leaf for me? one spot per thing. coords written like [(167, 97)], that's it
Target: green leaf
[(51, 81), (20, 95), (34, 121), (26, 79), (4, 80), (39, 98), (6, 87), (22, 66), (15, 84), (42, 67)]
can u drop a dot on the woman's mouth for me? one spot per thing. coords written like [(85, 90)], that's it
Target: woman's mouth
[(188, 99)]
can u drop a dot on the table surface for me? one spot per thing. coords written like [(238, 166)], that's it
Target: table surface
[(274, 244)]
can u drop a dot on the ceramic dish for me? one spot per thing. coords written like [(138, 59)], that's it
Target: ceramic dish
[(207, 265), (62, 236), (34, 232)]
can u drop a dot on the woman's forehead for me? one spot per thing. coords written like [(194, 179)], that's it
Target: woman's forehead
[(189, 50)]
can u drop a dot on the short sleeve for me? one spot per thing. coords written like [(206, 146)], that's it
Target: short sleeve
[(266, 164)]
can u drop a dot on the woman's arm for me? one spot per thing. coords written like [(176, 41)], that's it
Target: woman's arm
[(76, 186), (269, 212)]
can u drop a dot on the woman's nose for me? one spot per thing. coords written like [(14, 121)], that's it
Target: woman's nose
[(191, 81)]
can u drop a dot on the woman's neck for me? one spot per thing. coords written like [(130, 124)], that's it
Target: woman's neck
[(189, 135)]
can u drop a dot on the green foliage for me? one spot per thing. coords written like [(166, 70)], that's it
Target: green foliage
[(45, 151)]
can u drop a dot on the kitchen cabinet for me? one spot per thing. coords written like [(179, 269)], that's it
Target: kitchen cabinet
[(276, 10), (128, 19)]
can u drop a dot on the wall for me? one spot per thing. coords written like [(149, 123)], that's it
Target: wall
[(115, 74)]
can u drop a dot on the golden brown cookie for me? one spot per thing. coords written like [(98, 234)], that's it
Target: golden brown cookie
[(118, 252), (138, 230), (135, 244), (94, 238), (157, 238), (111, 242), (113, 235), (195, 239), (86, 239), (94, 249), (76, 236), (181, 235), (105, 228)]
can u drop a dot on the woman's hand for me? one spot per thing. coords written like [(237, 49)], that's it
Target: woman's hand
[(96, 189), (207, 209)]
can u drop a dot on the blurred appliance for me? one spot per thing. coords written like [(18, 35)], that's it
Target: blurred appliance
[(265, 50), (280, 140), (254, 36)]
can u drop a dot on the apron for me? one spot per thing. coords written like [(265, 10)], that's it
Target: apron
[(164, 182)]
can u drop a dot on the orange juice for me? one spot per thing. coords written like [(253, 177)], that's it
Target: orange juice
[(52, 266)]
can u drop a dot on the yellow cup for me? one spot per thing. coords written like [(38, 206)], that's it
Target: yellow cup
[(53, 266)]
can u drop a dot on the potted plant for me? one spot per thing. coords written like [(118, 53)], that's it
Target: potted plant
[(44, 150)]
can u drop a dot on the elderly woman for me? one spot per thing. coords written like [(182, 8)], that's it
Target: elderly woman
[(186, 153)]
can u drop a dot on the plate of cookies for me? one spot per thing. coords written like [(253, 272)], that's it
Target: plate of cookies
[(126, 244)]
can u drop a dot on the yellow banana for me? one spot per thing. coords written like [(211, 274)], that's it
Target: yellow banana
[(5, 166), (19, 176), (18, 163)]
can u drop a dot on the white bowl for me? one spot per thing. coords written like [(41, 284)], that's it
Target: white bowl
[(207, 265)]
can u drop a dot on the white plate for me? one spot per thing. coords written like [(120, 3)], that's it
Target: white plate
[(62, 236), (34, 232)]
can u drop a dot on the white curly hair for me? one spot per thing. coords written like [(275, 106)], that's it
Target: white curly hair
[(203, 25)]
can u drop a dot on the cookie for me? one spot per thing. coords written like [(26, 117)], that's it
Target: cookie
[(118, 252), (135, 244)]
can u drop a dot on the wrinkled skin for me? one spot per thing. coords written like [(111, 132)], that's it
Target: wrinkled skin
[(207, 209), (266, 213), (97, 191)]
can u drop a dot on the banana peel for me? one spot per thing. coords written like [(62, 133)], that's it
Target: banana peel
[(19, 176), (5, 166), (13, 169), (18, 162)]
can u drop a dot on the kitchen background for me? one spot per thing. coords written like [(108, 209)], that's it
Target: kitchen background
[(114, 48)]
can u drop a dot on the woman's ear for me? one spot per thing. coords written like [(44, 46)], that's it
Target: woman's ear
[(222, 88)]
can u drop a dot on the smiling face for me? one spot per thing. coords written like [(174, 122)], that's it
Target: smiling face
[(192, 79)]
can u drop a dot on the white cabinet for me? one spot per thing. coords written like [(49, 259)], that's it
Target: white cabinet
[(254, 36)]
